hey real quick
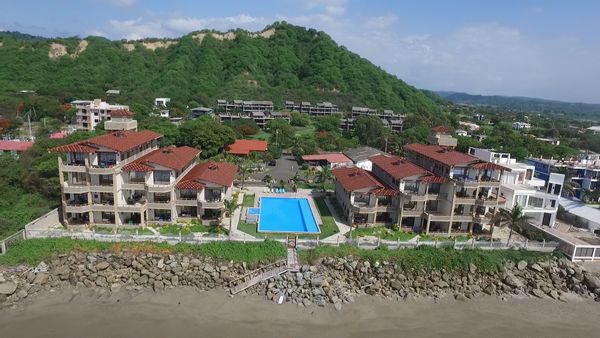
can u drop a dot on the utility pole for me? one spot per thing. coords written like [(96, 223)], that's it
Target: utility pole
[(276, 137), (386, 143)]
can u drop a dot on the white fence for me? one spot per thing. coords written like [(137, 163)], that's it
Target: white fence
[(301, 243)]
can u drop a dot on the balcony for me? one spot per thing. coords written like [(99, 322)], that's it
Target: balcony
[(362, 206), (166, 187), (101, 188), (212, 205), (75, 187), (103, 207), (467, 217), (463, 199), (77, 208), (437, 216)]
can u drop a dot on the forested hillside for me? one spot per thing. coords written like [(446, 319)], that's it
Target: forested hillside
[(284, 62)]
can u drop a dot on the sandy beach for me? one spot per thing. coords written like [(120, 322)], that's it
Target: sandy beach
[(186, 312)]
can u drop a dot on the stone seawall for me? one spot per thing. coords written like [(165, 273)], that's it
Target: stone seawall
[(328, 282)]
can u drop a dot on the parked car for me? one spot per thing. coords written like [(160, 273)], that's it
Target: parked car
[(272, 163)]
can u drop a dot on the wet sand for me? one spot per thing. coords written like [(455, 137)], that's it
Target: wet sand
[(184, 312)]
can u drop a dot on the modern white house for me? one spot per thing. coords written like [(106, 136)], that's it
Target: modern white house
[(521, 125), (162, 103), (519, 185)]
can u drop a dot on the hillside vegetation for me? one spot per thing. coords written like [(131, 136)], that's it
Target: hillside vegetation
[(284, 62)]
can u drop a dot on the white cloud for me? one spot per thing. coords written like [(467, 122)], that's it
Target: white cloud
[(331, 7)]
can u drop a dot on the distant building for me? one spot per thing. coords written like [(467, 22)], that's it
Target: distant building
[(162, 104), (319, 109), (478, 117), (113, 92), (594, 129), (551, 141), (390, 119), (360, 156), (332, 160), (460, 132), (120, 120), (199, 112), (90, 113), (468, 125), (245, 147), (442, 136), (479, 137), (14, 147), (261, 112), (521, 125)]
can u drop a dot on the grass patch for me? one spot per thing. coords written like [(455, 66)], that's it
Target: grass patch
[(459, 238), (383, 233), (430, 258), (248, 201), (261, 135), (137, 231), (328, 227), (33, 251)]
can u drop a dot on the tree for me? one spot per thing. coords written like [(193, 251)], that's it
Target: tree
[(369, 130), (513, 218), (281, 132), (244, 127), (230, 208), (244, 167), (324, 177), (162, 126), (268, 180), (206, 134), (299, 119), (330, 123)]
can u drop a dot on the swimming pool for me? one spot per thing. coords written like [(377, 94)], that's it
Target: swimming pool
[(286, 215)]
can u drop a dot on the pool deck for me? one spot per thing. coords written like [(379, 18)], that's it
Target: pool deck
[(299, 194)]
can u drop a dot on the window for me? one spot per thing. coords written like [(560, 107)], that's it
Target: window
[(536, 202), (162, 177), (521, 200)]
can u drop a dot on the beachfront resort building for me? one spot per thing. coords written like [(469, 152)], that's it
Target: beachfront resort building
[(124, 179), (90, 113), (434, 188)]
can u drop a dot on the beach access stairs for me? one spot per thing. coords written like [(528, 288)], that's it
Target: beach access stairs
[(268, 271)]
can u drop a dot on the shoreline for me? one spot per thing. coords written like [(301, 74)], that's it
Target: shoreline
[(189, 312)]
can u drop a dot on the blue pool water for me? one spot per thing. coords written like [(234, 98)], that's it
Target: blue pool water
[(252, 211), (286, 215)]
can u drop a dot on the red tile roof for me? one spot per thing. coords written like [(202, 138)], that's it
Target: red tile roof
[(355, 178), (244, 147), (220, 173), (441, 129), (441, 154), (489, 166), (329, 157), (120, 141), (121, 113), (9, 145), (398, 167), (176, 158)]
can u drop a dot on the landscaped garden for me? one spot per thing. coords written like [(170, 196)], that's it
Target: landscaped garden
[(383, 233)]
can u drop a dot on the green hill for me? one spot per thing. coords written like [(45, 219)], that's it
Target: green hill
[(283, 62)]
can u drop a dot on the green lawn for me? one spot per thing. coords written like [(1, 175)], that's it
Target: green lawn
[(459, 238), (431, 258), (33, 251), (137, 231), (328, 227), (248, 201), (383, 233)]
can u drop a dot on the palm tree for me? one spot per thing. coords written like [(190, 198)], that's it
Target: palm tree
[(267, 179), (324, 176), (230, 208), (513, 218), (244, 168)]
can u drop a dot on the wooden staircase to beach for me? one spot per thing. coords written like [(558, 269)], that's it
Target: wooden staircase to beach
[(269, 271)]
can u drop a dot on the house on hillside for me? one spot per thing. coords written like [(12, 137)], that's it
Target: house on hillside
[(245, 147)]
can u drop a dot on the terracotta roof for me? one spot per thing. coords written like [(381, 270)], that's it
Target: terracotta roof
[(121, 113), (357, 178), (58, 135), (397, 167), (441, 129), (489, 166), (8, 145), (441, 154), (176, 158), (244, 147), (329, 157), (434, 179), (121, 141), (220, 173)]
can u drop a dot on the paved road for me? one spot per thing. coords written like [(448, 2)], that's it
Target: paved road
[(285, 169)]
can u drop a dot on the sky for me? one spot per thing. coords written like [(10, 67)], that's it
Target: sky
[(547, 49)]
